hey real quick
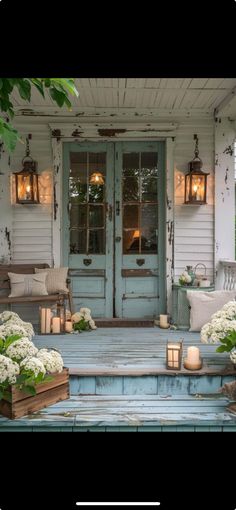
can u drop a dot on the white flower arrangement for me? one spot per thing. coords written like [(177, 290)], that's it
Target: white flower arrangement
[(233, 356), (21, 363), (185, 278), (33, 365), (82, 320), (222, 329), (9, 370), (20, 349), (51, 360)]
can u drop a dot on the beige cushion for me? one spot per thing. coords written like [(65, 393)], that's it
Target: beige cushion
[(28, 284), (56, 279), (204, 304)]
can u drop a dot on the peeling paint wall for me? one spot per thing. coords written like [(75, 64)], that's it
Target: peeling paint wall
[(5, 208), (224, 194)]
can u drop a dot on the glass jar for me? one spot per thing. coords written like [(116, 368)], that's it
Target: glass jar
[(191, 273)]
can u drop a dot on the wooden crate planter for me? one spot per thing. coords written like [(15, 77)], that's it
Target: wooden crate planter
[(46, 394)]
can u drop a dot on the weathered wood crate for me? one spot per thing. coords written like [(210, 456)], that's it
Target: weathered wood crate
[(46, 394)]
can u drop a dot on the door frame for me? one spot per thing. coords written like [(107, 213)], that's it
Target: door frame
[(62, 132)]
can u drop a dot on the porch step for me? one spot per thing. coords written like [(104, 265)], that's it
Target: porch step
[(159, 384), (124, 323), (134, 414)]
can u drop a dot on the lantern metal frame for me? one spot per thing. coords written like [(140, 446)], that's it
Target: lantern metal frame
[(195, 171), (28, 172), (174, 347)]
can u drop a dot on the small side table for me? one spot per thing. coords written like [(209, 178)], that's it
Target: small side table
[(181, 307)]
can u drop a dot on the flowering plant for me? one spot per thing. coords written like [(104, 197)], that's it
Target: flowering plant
[(222, 328), (82, 320), (185, 279), (21, 363)]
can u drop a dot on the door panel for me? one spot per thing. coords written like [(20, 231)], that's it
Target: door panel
[(88, 224), (114, 224), (139, 229)]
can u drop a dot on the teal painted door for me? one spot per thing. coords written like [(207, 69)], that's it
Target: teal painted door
[(113, 227)]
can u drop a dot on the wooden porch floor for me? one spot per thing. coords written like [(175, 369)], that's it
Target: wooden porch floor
[(130, 351)]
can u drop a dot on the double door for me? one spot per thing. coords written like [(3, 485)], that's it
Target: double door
[(114, 227)]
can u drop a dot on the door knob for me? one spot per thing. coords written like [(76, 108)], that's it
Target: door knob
[(118, 239)]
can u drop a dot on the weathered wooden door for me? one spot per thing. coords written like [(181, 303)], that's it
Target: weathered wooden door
[(113, 227), (139, 229)]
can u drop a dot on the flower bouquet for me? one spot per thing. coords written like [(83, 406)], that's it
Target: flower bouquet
[(222, 329), (23, 366), (185, 279), (82, 320)]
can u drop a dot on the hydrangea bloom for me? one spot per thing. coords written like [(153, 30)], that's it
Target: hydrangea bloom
[(233, 356), (10, 328), (51, 360), (8, 315), (34, 365), (20, 349), (9, 370), (222, 322)]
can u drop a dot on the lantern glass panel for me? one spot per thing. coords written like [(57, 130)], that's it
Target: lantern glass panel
[(198, 188), (24, 187), (187, 188), (173, 356)]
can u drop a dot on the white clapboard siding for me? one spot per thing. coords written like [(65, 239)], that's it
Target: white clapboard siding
[(194, 225), (32, 224)]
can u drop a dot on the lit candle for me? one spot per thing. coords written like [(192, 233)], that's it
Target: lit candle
[(68, 326), (164, 321), (56, 325), (193, 355), (48, 320), (173, 355), (43, 323)]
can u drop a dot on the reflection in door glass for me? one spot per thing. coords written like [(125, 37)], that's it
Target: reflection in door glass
[(140, 202), (87, 202)]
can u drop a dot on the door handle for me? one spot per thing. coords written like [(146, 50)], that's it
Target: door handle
[(117, 208), (140, 262), (109, 211), (118, 239)]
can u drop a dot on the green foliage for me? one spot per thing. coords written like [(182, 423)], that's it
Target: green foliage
[(4, 343), (58, 89), (82, 325), (229, 342)]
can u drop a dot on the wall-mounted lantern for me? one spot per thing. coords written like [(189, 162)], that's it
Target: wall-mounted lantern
[(97, 179), (195, 180), (26, 181)]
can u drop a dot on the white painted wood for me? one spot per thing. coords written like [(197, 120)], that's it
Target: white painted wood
[(224, 195), (170, 144), (5, 208), (57, 202)]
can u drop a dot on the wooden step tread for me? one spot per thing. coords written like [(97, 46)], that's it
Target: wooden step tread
[(124, 323), (134, 411)]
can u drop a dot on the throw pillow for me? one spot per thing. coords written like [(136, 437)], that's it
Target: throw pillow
[(56, 279), (28, 284), (204, 304)]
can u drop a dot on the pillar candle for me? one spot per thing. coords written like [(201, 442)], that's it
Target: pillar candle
[(47, 320), (164, 321), (68, 326), (43, 320), (193, 355), (56, 325)]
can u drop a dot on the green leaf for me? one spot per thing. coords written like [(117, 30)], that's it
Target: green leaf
[(222, 348), (7, 396), (24, 88), (29, 389), (1, 394), (57, 96)]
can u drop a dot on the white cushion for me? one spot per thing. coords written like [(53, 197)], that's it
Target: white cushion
[(28, 285), (204, 304), (56, 279)]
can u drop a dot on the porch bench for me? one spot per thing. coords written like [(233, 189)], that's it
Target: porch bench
[(28, 269)]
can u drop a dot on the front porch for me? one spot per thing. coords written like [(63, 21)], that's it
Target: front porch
[(119, 382)]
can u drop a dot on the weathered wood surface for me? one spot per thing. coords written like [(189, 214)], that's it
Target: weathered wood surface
[(46, 394), (154, 412), (131, 351)]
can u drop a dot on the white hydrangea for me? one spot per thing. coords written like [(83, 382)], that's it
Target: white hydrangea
[(76, 317), (221, 323), (34, 365), (9, 370), (8, 315), (85, 311), (51, 360), (20, 349), (92, 324), (10, 328), (233, 356)]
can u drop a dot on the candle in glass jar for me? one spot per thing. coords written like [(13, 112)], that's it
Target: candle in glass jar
[(56, 325), (164, 321), (68, 326), (193, 355)]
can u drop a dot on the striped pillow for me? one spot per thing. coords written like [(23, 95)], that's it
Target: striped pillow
[(55, 280)]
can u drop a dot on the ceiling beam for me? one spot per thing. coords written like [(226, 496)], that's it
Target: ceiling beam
[(224, 107)]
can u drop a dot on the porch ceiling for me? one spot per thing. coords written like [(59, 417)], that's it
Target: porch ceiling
[(151, 96)]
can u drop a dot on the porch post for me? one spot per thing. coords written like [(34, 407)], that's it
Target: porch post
[(224, 195), (57, 199), (5, 207), (170, 142)]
